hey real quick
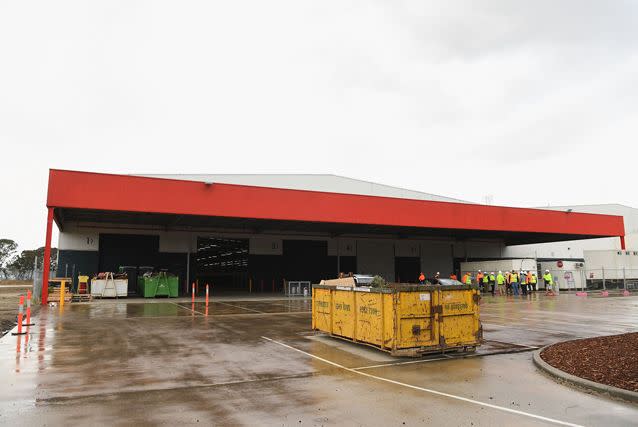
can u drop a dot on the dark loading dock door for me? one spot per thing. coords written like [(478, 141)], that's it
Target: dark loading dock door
[(308, 260), (222, 263), (118, 250), (407, 269)]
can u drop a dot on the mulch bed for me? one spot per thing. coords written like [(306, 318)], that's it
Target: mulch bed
[(606, 360)]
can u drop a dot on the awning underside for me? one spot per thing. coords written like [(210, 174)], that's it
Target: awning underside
[(66, 216)]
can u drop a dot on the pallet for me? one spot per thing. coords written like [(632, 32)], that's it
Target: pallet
[(81, 298), (54, 295)]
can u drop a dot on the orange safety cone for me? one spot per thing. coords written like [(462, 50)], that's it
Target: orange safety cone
[(20, 313), (29, 310)]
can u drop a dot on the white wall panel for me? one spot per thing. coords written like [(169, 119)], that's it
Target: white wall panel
[(407, 248), (79, 240), (265, 246), (346, 247)]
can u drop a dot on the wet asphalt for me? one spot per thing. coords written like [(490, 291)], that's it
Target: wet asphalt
[(250, 361)]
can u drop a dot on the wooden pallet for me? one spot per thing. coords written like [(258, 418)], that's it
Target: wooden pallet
[(81, 298), (54, 295)]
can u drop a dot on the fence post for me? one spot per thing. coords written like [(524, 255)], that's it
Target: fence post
[(604, 287), (29, 310)]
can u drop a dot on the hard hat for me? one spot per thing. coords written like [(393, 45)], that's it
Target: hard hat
[(546, 271), (492, 272), (479, 271), (438, 272), (500, 272)]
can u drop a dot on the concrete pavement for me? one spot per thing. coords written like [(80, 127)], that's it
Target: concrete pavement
[(255, 362)]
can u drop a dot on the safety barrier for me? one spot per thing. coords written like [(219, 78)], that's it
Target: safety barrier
[(20, 315), (298, 288), (28, 321)]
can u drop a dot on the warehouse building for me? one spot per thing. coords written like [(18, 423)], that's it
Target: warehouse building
[(249, 233), (574, 250)]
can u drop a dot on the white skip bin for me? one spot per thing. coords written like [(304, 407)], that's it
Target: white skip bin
[(109, 288)]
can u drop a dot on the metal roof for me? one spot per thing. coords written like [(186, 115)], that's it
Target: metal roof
[(311, 182)]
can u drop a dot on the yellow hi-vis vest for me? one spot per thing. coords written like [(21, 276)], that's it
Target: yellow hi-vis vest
[(500, 279), (548, 278), (532, 279), (468, 280), (486, 278)]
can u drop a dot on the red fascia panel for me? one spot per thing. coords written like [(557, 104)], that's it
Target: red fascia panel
[(86, 190)]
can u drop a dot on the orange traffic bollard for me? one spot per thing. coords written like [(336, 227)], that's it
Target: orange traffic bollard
[(29, 310), (193, 294), (206, 294), (20, 313)]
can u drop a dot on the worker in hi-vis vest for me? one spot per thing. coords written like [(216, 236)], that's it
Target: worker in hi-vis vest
[(485, 281), (500, 283), (467, 279), (532, 282), (479, 278), (523, 280), (492, 281), (421, 278), (549, 282), (514, 282)]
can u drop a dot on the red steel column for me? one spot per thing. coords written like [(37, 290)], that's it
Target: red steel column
[(622, 242), (46, 262)]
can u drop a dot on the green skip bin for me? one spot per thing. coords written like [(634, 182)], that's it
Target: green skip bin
[(158, 285)]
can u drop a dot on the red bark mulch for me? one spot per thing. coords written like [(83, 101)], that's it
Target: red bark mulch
[(609, 360)]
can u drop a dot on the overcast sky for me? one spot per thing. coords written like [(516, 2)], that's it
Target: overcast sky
[(531, 102)]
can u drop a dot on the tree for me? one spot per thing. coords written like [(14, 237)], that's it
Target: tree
[(7, 250), (21, 267)]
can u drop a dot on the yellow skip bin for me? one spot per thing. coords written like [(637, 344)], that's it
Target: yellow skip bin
[(404, 320)]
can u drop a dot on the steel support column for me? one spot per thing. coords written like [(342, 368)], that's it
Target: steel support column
[(46, 262), (622, 242)]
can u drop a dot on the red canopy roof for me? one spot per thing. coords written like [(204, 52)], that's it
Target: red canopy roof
[(106, 192)]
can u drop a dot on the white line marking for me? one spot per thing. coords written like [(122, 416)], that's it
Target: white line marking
[(238, 306), (398, 363), (427, 390), (519, 349), (186, 308)]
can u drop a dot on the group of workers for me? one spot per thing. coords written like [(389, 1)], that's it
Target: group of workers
[(508, 283)]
